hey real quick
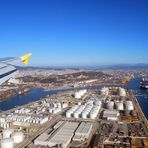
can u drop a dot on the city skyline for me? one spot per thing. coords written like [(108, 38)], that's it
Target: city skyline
[(75, 33)]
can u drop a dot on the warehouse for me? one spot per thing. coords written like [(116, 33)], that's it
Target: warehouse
[(61, 134), (111, 114), (83, 132)]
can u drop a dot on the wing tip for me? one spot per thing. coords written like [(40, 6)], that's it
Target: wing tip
[(25, 58)]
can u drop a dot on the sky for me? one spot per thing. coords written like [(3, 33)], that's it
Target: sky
[(75, 32)]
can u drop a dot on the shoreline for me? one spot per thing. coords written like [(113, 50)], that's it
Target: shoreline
[(12, 93), (138, 108)]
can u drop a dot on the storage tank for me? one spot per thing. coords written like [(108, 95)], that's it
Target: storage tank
[(64, 105), (7, 133), (110, 105), (97, 102), (92, 115), (79, 103), (7, 143), (129, 105), (76, 115), (119, 106), (122, 92), (59, 105), (18, 137), (77, 95), (80, 93), (104, 91), (84, 115), (68, 114)]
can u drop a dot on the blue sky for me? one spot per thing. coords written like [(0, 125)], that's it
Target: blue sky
[(75, 32)]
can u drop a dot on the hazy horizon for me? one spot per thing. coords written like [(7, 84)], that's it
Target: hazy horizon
[(75, 32)]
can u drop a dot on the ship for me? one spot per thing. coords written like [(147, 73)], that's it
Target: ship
[(144, 83)]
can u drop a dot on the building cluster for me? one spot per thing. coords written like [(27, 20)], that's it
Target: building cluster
[(105, 117), (65, 132), (44, 72)]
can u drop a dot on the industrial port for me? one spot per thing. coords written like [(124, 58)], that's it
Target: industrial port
[(99, 118), (74, 74)]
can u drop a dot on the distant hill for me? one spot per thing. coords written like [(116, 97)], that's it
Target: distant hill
[(125, 66), (111, 67)]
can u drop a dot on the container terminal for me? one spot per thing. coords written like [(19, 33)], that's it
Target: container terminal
[(109, 117)]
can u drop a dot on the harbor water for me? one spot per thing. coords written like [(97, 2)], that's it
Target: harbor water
[(37, 94)]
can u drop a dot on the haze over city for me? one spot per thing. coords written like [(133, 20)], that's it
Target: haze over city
[(75, 32)]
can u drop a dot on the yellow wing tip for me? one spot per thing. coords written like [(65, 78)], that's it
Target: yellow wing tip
[(25, 58)]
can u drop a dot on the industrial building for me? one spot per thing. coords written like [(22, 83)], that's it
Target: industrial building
[(111, 115), (62, 134), (83, 131)]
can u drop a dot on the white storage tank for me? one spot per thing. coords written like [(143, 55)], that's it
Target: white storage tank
[(80, 93), (93, 115), (104, 91), (110, 105), (129, 105), (79, 103), (7, 133), (68, 114), (77, 95), (55, 105), (122, 92), (76, 115), (18, 137), (97, 102), (7, 143), (64, 105), (119, 106), (84, 115)]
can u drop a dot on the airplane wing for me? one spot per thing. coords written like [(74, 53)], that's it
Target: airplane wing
[(7, 67)]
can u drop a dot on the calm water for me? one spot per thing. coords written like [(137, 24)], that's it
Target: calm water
[(134, 85), (37, 94)]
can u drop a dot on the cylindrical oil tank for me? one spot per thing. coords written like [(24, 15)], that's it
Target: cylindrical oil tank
[(79, 103), (97, 102), (68, 114), (77, 95), (7, 143), (105, 91), (7, 133), (55, 105), (122, 92), (110, 105), (119, 106), (92, 115), (18, 137), (64, 105), (76, 115), (129, 105), (84, 115)]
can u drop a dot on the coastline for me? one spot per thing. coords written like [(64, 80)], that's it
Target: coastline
[(141, 114)]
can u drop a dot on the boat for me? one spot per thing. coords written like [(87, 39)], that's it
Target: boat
[(144, 83)]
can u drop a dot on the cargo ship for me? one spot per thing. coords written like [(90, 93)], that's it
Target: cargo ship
[(144, 83)]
